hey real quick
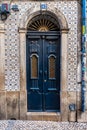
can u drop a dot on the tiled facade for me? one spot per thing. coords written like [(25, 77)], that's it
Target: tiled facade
[(12, 76), (14, 32)]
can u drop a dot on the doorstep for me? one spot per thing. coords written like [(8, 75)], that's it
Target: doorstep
[(44, 116)]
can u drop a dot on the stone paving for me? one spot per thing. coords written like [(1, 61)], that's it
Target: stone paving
[(40, 125)]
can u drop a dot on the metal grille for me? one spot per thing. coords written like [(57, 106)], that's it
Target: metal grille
[(52, 62), (43, 23), (34, 66)]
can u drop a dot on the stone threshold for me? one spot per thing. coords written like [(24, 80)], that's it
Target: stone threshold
[(44, 116)]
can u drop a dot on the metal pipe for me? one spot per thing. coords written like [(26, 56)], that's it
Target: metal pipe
[(83, 56)]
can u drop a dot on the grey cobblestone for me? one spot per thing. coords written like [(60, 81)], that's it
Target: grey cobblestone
[(41, 125)]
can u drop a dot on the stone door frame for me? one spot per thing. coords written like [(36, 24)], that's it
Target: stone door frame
[(64, 41)]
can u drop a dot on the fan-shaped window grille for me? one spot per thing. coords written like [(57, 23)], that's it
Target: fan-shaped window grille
[(52, 65), (43, 23), (34, 66)]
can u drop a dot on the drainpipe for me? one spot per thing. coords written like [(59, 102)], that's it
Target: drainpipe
[(83, 57)]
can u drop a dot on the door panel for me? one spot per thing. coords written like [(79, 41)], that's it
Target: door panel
[(34, 86), (43, 72), (34, 100), (52, 84), (52, 101)]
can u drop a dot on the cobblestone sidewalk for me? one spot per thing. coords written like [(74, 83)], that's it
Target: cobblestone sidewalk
[(41, 125)]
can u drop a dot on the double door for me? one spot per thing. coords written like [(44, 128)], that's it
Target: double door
[(43, 71)]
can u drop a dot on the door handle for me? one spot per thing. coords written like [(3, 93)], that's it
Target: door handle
[(44, 80), (40, 72), (45, 72)]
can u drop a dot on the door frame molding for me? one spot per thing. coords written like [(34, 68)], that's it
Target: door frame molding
[(63, 85)]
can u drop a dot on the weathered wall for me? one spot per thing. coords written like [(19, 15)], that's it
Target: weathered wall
[(13, 96)]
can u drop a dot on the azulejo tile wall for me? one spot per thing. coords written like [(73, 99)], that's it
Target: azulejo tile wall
[(12, 69), (12, 77)]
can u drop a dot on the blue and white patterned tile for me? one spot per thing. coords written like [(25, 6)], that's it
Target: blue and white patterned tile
[(70, 11)]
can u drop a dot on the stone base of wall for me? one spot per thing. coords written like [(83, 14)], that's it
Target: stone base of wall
[(2, 105), (13, 105), (81, 116)]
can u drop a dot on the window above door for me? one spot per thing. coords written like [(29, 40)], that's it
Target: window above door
[(43, 23)]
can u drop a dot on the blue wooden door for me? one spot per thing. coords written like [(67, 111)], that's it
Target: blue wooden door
[(43, 71)]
